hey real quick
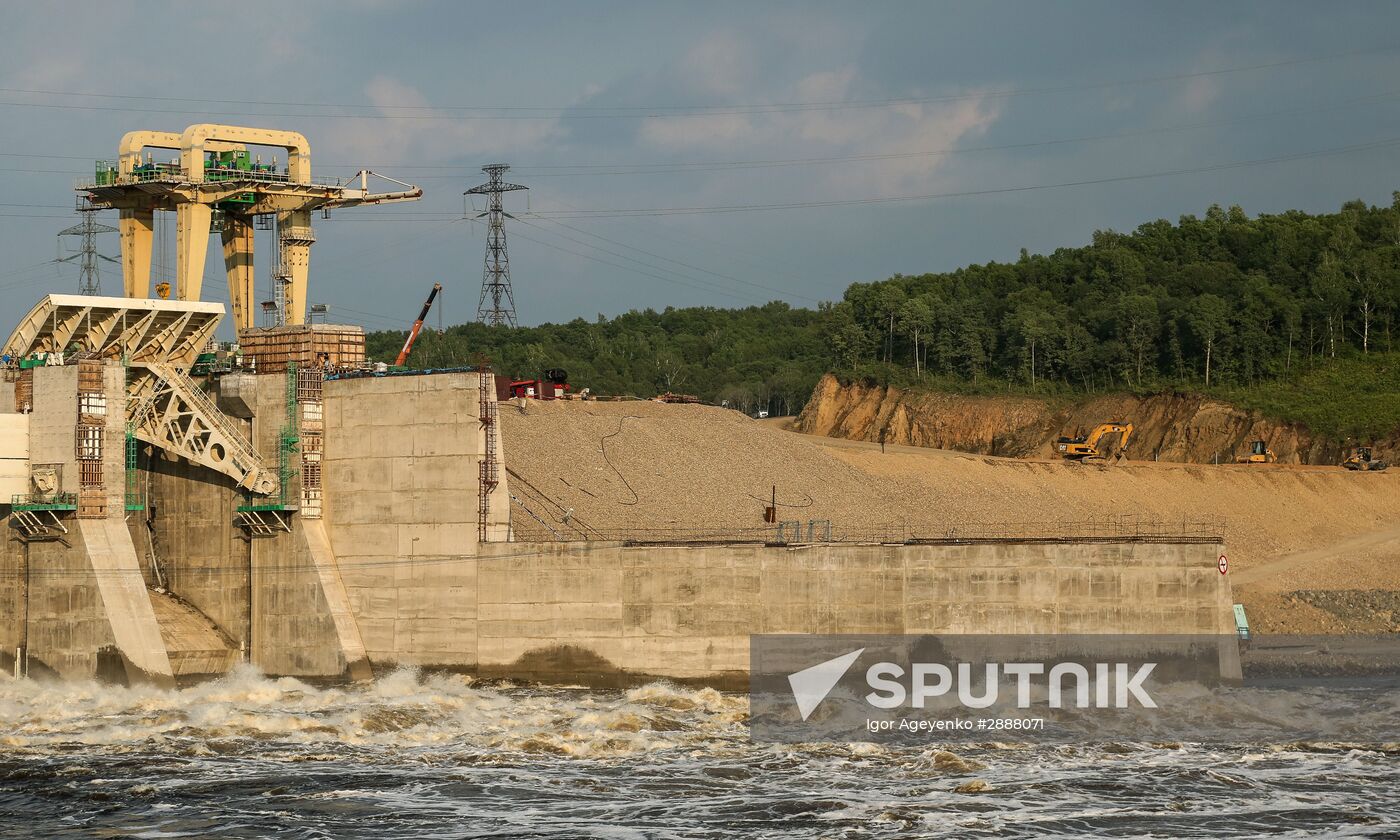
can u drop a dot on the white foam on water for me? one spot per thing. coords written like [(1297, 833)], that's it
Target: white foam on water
[(485, 759), (404, 709)]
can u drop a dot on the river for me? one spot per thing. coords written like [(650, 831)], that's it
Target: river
[(415, 755)]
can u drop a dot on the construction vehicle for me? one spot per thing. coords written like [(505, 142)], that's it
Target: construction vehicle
[(1086, 447), (1360, 460), (1259, 453), (554, 385), (417, 326)]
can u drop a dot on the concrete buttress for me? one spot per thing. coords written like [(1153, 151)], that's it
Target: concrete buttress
[(347, 630), (122, 588)]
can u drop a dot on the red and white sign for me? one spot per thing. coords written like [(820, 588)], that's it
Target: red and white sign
[(1223, 565)]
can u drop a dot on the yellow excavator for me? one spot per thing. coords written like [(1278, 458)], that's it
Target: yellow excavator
[(1086, 447), (1360, 459), (1259, 453)]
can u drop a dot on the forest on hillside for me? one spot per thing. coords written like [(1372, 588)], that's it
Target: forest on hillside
[(766, 356), (1215, 302)]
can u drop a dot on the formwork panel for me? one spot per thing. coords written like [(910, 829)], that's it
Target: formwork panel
[(90, 376), (307, 345), (92, 503), (24, 391), (88, 443), (89, 474)]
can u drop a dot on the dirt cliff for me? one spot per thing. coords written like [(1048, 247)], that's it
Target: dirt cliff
[(1187, 428)]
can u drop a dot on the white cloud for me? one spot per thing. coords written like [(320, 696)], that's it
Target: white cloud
[(706, 131), (428, 134), (906, 132), (719, 65), (50, 70), (1199, 94)]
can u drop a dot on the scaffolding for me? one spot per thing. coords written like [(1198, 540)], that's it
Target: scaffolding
[(135, 499), (289, 438), (310, 409), (287, 466), (88, 439), (489, 474)]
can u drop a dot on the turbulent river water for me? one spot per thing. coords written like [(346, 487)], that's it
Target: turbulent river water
[(438, 756)]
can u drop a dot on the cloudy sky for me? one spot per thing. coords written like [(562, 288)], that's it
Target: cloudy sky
[(720, 154)]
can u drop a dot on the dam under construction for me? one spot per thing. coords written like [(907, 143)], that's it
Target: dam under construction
[(177, 507), (323, 522), (890, 424)]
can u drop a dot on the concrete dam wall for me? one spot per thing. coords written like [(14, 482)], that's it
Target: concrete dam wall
[(400, 539), (615, 614)]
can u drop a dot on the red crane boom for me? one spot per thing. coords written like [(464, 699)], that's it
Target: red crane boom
[(417, 326)]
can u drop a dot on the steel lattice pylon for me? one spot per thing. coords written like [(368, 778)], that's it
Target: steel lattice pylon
[(89, 278), (497, 303)]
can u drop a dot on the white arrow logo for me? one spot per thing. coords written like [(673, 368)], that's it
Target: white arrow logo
[(811, 685)]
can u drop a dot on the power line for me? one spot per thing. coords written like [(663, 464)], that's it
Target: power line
[(644, 111), (675, 167), (632, 269), (89, 273), (438, 216), (495, 271), (796, 205), (51, 276), (686, 280), (677, 262), (741, 208)]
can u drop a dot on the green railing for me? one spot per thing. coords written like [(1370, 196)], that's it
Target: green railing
[(290, 437), (254, 508), (287, 464), (52, 501), (135, 499)]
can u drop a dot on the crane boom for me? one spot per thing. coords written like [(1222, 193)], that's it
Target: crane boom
[(417, 326)]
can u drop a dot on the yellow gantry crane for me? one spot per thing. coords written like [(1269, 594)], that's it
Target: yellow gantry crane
[(215, 185)]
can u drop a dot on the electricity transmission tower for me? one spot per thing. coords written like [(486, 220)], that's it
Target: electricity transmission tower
[(497, 304), (89, 278)]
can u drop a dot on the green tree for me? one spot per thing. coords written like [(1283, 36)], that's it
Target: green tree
[(1035, 322), (1138, 327), (1330, 292), (914, 319), (847, 338), (890, 298), (1209, 316)]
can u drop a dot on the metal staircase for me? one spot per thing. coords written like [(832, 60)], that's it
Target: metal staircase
[(489, 470), (167, 409)]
